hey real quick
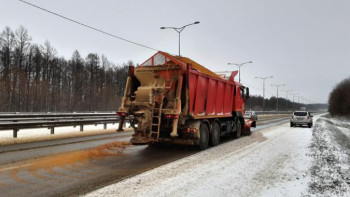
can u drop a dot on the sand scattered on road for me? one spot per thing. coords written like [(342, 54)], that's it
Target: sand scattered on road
[(73, 134), (68, 159)]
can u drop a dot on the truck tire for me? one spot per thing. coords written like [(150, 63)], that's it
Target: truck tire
[(204, 136), (215, 134), (238, 129), (309, 125)]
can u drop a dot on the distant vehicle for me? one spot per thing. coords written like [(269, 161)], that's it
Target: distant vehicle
[(251, 114), (301, 118)]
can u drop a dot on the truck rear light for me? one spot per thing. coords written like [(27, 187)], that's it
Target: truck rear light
[(308, 117), (194, 130), (172, 116), (123, 114)]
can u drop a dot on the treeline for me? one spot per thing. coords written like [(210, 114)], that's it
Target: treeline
[(339, 99), (256, 103), (34, 79)]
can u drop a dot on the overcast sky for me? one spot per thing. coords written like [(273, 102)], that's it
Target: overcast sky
[(303, 44)]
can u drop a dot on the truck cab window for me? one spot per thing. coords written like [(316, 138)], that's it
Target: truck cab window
[(242, 93)]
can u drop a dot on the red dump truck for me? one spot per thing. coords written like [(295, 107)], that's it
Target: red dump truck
[(176, 100)]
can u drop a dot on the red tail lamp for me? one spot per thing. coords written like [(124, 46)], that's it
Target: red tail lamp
[(123, 114), (194, 130), (172, 116)]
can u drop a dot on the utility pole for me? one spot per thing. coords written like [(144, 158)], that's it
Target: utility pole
[(239, 68), (277, 87), (263, 79), (286, 91)]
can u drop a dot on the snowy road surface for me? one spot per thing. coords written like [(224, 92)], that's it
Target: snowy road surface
[(271, 162)]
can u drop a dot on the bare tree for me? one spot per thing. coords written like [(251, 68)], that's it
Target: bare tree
[(7, 42), (33, 78)]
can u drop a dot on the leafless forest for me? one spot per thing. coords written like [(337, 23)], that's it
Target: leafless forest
[(34, 78), (339, 99)]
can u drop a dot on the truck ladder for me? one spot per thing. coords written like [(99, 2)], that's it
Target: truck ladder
[(156, 119)]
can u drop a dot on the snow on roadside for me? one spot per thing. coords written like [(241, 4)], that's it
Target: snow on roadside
[(42, 134), (271, 162), (330, 175)]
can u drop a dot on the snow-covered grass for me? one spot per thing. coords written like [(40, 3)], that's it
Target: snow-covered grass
[(330, 175)]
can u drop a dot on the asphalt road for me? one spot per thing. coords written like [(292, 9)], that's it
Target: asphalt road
[(76, 166)]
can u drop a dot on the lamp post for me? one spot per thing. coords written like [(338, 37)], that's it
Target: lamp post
[(293, 98), (263, 79), (303, 100), (239, 67), (277, 87), (179, 30), (286, 91)]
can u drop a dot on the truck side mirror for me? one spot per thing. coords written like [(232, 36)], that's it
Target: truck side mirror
[(247, 94)]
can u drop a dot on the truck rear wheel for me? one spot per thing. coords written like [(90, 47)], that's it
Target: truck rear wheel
[(215, 134), (204, 136), (238, 129)]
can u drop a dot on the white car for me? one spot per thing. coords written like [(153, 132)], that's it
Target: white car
[(301, 118), (251, 114)]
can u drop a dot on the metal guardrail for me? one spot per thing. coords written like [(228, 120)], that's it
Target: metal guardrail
[(15, 122), (272, 112), (282, 112)]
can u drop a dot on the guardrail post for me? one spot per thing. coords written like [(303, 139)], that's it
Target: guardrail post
[(121, 123), (81, 128), (105, 126), (52, 130), (15, 131)]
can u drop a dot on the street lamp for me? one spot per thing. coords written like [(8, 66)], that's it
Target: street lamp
[(263, 78), (293, 98), (277, 86), (286, 91), (303, 100), (239, 67), (179, 30)]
